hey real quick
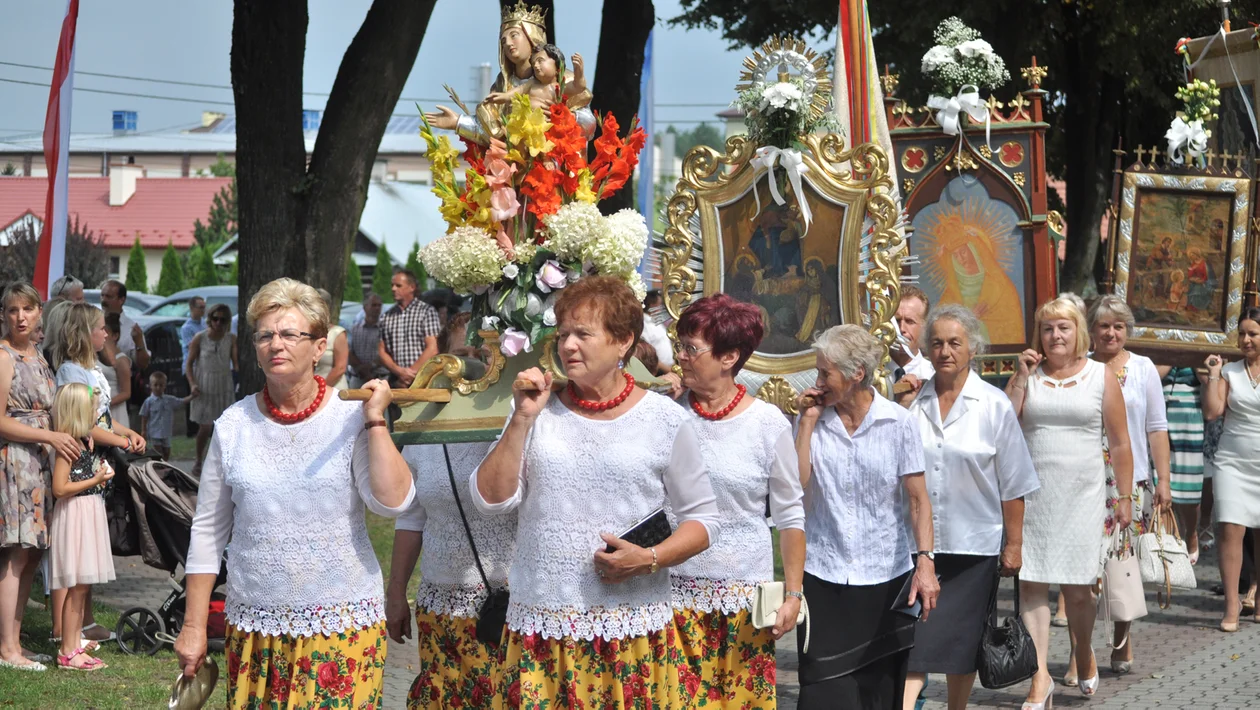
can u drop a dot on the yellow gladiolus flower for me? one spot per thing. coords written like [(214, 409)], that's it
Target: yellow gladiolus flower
[(585, 193), (527, 126)]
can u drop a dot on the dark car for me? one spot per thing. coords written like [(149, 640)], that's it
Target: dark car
[(161, 335)]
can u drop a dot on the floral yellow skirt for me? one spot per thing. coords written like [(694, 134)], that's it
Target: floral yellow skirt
[(726, 661), (275, 672), (637, 673), (456, 670)]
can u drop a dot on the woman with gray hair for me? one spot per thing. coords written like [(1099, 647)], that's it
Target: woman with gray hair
[(861, 461), (1110, 322), (977, 469), (67, 287)]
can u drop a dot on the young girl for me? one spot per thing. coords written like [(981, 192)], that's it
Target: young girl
[(80, 553)]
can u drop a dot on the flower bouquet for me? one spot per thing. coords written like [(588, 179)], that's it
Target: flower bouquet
[(778, 113), (1187, 136), (959, 65), (525, 222)]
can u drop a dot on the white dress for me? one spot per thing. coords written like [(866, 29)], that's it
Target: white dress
[(325, 363), (1236, 482), (1063, 520)]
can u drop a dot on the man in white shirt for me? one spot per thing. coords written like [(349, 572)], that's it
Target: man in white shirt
[(131, 337), (911, 314)]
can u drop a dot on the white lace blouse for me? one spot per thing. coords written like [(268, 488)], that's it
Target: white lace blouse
[(581, 477), (291, 499), (449, 582), (749, 456)]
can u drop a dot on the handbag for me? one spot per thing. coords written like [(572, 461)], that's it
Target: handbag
[(492, 616), (1164, 559), (1123, 597), (766, 602), (1006, 655)]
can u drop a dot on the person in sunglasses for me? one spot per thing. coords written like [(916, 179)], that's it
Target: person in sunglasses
[(211, 360)]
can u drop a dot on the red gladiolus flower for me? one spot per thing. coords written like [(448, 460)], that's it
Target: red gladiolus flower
[(570, 145), (474, 155), (539, 188)]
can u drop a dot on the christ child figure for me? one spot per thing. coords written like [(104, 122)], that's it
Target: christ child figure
[(1177, 291), (544, 88)]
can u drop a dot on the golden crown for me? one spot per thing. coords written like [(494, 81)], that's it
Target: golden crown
[(529, 14)]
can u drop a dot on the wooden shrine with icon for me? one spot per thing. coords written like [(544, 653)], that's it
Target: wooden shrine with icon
[(975, 195)]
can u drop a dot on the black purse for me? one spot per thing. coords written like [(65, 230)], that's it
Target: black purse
[(1006, 655), (492, 616)]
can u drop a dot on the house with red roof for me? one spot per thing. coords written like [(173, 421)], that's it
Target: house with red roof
[(118, 209)]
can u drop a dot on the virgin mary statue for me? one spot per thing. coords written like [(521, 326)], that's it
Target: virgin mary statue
[(522, 32)]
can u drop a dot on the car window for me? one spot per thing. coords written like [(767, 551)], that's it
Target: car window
[(178, 309)]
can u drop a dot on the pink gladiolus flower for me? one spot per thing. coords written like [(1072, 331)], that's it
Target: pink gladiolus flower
[(503, 204), (502, 239), (499, 173)]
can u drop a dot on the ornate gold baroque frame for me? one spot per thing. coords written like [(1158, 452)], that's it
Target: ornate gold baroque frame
[(1188, 339), (857, 179)]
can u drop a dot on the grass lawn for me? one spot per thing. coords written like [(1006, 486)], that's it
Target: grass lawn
[(129, 682)]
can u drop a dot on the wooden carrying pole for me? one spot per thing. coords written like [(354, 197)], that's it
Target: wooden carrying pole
[(407, 396)]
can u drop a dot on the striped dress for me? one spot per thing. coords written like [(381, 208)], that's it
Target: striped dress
[(1185, 433)]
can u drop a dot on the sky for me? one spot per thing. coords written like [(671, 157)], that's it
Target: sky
[(191, 41)]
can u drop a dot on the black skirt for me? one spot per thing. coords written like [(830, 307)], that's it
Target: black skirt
[(857, 654), (948, 640)]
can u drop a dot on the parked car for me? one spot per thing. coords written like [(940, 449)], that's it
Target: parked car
[(161, 335), (136, 305), (176, 305)]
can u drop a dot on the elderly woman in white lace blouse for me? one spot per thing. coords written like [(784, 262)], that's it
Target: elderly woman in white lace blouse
[(861, 461), (748, 449), (585, 626), (287, 477), (456, 670)]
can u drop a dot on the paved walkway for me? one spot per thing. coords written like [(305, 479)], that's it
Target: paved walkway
[(1183, 660)]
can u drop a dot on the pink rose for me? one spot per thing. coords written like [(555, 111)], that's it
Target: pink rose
[(503, 240), (551, 276), (513, 342), (503, 204), (499, 173)]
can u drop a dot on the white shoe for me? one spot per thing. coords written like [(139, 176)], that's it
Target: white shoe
[(1045, 704), (1089, 687)]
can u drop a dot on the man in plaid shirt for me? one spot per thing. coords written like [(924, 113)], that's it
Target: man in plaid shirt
[(409, 331)]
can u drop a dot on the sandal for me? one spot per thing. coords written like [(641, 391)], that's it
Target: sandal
[(103, 635), (91, 664), (37, 657), (32, 666)]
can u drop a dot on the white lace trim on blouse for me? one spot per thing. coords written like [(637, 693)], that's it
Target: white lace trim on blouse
[(307, 620), (728, 596), (457, 600), (584, 625)]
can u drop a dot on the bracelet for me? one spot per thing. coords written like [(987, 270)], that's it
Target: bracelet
[(655, 567), (371, 425), (1213, 378), (798, 595)]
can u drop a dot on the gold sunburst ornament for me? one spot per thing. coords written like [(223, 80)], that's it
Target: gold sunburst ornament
[(781, 58)]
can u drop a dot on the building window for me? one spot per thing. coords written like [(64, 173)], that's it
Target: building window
[(124, 120), (311, 119), (115, 264)]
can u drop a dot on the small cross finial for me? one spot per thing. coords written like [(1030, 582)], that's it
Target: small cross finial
[(1139, 153), (1211, 157), (1154, 154)]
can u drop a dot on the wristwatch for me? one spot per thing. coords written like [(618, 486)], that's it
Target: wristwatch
[(928, 554), (798, 595)]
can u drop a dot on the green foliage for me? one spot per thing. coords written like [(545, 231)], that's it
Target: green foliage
[(354, 282), (86, 258), (137, 270), (703, 134), (382, 274), (201, 268), (222, 168), (417, 268), (234, 276), (172, 277), (9, 169), (221, 223)]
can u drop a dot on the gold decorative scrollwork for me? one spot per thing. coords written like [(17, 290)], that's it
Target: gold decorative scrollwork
[(778, 392), (453, 368)]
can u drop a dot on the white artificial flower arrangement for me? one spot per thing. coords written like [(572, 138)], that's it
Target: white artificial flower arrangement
[(960, 58), (778, 113)]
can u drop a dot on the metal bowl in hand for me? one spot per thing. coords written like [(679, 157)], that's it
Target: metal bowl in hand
[(192, 693)]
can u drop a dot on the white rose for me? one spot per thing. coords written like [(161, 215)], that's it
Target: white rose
[(549, 317), (975, 48), (510, 271)]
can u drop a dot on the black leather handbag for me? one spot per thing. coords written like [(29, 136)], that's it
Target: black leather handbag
[(492, 616), (1006, 655)]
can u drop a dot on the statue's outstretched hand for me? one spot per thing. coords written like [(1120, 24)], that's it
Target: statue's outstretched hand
[(578, 71), (443, 118), (498, 97)]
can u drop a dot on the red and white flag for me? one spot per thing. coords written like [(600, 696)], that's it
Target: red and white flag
[(50, 264)]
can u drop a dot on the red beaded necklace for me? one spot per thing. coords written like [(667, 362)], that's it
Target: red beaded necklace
[(602, 406), (721, 413), (280, 416)]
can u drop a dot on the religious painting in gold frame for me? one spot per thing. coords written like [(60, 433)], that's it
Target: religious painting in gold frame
[(838, 270), (1181, 259)]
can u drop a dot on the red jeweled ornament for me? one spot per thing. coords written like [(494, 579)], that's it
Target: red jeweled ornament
[(721, 413), (602, 406), (280, 416)]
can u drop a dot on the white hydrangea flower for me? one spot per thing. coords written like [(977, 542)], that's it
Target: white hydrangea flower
[(635, 282), (572, 227), (467, 260), (622, 248)]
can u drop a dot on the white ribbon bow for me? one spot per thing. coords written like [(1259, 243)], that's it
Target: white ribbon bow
[(1189, 137), (947, 110), (792, 164)]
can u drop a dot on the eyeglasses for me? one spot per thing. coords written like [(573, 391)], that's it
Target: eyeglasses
[(288, 337), (219, 319), (689, 350)]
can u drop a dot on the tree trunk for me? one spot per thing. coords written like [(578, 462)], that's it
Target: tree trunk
[(622, 38), (549, 12), (297, 221)]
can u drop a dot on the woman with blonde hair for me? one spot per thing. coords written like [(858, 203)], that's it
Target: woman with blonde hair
[(287, 478), (1068, 408), (83, 334)]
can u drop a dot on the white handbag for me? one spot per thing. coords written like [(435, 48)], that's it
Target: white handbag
[(1164, 559), (766, 603)]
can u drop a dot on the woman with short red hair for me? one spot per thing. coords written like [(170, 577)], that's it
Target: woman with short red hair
[(749, 452)]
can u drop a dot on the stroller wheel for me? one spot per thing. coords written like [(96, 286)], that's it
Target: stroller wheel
[(137, 631)]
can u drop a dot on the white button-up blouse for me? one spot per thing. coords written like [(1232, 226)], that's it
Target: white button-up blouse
[(857, 526), (975, 460), (1145, 410)]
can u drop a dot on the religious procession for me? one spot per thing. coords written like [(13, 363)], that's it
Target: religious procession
[(925, 386)]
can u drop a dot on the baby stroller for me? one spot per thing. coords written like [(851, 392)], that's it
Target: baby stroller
[(150, 512)]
